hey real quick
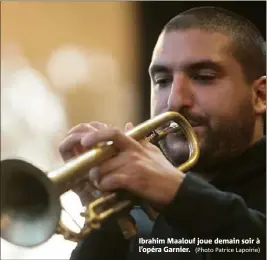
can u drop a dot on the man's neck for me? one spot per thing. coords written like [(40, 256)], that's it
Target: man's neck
[(210, 175)]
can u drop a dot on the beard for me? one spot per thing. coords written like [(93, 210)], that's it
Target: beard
[(220, 142)]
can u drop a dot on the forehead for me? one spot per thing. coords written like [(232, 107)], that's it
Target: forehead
[(191, 45)]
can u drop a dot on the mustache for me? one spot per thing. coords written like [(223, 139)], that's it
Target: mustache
[(193, 118)]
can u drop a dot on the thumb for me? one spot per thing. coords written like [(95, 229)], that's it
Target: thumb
[(128, 126)]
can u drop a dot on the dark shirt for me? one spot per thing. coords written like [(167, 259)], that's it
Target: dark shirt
[(231, 208)]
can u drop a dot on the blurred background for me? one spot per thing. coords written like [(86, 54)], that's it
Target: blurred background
[(64, 63)]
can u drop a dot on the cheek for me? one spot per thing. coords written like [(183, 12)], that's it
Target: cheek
[(217, 98), (159, 101), (221, 104)]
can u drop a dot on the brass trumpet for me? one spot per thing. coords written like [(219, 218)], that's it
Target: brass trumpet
[(30, 198)]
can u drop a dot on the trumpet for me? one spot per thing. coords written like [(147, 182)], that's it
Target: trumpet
[(30, 198)]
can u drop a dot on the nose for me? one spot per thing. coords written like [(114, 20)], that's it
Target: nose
[(181, 95)]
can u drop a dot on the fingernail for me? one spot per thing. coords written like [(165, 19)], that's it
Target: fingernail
[(93, 174)]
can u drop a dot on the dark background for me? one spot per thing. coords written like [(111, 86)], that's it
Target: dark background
[(154, 15)]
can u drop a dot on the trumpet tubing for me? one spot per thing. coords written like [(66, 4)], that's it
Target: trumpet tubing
[(30, 198)]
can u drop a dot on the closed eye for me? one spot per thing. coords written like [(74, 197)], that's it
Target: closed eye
[(162, 80), (203, 77)]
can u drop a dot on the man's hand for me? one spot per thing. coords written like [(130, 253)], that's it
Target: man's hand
[(139, 167), (71, 147)]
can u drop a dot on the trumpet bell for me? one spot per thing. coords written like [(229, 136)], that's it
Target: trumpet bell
[(30, 205)]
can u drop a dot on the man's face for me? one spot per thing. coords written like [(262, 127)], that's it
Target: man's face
[(194, 73)]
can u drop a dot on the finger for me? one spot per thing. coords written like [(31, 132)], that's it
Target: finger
[(111, 165), (94, 174), (81, 128), (85, 184), (143, 142), (67, 145), (114, 181), (113, 134), (82, 184), (87, 127), (77, 150), (129, 126), (98, 125), (86, 192)]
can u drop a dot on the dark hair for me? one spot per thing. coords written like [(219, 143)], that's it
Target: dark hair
[(248, 45)]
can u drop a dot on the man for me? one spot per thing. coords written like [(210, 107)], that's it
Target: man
[(209, 65)]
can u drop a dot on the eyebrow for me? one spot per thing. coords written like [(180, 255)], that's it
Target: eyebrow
[(191, 66)]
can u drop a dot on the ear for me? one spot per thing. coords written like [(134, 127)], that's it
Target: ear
[(259, 91)]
